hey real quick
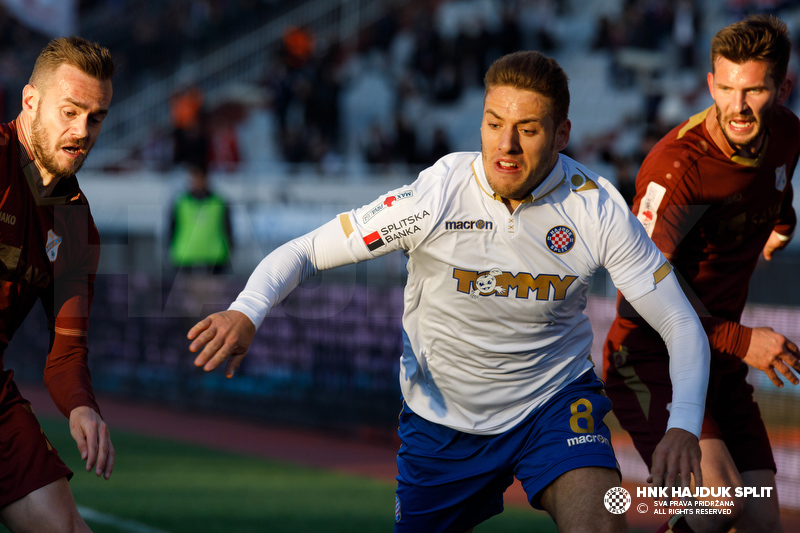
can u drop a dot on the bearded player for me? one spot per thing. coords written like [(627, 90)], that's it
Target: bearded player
[(714, 194), (49, 250)]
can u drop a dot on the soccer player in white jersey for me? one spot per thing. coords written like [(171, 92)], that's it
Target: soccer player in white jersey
[(495, 372)]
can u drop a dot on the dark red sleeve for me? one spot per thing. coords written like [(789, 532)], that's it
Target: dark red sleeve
[(66, 373), (726, 336), (787, 219)]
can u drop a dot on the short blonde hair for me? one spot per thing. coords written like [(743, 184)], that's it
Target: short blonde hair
[(88, 57)]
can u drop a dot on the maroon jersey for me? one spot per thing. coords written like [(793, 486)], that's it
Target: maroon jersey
[(49, 250), (711, 213)]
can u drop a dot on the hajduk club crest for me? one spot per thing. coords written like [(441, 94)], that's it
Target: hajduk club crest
[(560, 239)]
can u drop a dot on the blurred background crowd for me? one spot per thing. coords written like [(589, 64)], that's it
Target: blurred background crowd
[(399, 85)]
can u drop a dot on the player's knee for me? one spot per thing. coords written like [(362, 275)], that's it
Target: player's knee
[(760, 518), (604, 523)]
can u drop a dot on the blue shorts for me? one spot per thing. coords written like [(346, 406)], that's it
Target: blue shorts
[(452, 481)]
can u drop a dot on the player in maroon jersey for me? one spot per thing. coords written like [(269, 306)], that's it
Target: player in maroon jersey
[(49, 249), (714, 194)]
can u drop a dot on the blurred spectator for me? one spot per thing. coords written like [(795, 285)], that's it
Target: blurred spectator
[(440, 145), (626, 170), (405, 141), (685, 27), (377, 146), (298, 47), (201, 239), (223, 139), (190, 143)]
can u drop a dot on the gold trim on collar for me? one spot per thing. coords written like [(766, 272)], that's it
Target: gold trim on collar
[(493, 194), (748, 162), (583, 183)]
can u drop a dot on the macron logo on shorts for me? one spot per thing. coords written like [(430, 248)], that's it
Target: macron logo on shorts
[(587, 439), (373, 241)]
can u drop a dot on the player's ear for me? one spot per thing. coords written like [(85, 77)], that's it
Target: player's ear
[(30, 98), (562, 135), (710, 80), (784, 89)]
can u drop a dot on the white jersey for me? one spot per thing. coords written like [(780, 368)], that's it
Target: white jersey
[(493, 321)]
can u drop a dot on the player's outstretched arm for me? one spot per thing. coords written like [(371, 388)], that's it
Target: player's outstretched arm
[(94, 440), (770, 351), (668, 311), (678, 454), (222, 336)]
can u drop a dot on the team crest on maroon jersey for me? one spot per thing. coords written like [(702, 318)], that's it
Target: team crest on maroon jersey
[(780, 177), (560, 239), (53, 242)]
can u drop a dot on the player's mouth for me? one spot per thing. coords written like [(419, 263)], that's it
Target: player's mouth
[(741, 126), (72, 151), (507, 166)]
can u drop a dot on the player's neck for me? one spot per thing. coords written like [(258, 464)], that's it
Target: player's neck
[(752, 149), (511, 204)]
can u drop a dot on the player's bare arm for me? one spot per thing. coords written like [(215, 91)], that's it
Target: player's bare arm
[(222, 336), (93, 439), (675, 459), (770, 352), (775, 243)]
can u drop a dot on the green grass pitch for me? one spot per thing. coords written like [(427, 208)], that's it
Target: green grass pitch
[(167, 486)]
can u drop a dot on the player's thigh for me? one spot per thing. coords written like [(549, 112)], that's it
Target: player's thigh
[(717, 464), (447, 480), (738, 421), (569, 433), (28, 461), (640, 392), (575, 501), (47, 509), (762, 513)]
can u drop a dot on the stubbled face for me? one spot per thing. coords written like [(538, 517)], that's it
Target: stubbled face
[(519, 140), (68, 115), (744, 96)]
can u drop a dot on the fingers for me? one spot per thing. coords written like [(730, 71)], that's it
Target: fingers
[(233, 364), (92, 436), (80, 440), (202, 335), (105, 453), (773, 376), (214, 354), (221, 336), (197, 328), (89, 430), (784, 369), (697, 471)]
